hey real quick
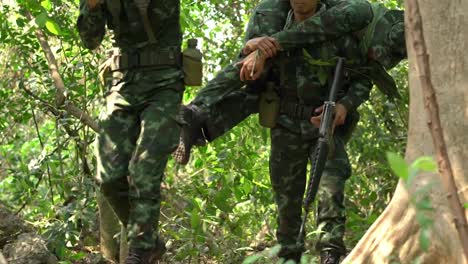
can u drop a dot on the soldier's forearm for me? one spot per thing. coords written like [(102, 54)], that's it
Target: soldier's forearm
[(358, 93), (345, 17)]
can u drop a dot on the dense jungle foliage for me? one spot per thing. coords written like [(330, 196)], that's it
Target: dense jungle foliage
[(217, 209)]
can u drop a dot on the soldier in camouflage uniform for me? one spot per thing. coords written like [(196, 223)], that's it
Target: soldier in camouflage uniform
[(235, 106), (138, 127)]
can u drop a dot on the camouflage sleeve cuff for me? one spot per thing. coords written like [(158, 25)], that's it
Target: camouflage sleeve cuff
[(344, 17), (91, 25), (92, 14), (348, 103), (358, 92)]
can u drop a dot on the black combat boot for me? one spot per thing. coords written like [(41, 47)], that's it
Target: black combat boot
[(191, 133), (288, 253), (136, 256), (146, 256), (329, 257)]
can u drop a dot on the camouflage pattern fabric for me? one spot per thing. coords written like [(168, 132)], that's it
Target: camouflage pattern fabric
[(290, 153), (138, 122)]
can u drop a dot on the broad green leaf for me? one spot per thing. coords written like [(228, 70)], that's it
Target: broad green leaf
[(323, 76), (195, 219), (424, 239), (398, 165), (252, 259), (41, 19), (465, 205), (46, 4), (425, 164), (222, 204), (53, 27)]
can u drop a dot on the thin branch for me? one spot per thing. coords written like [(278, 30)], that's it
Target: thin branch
[(42, 147), (61, 94), (41, 176), (415, 25)]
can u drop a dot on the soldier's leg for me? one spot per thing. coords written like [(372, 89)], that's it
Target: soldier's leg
[(331, 211), (225, 81), (157, 139), (228, 112), (119, 127), (288, 166), (196, 114)]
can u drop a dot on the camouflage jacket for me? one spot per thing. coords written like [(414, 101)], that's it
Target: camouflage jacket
[(305, 75), (340, 17), (128, 29)]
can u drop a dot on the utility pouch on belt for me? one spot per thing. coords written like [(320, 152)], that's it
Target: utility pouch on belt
[(192, 64), (269, 106)]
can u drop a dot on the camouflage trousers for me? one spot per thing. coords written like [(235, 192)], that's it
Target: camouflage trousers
[(226, 101), (138, 133), (290, 154), (225, 82)]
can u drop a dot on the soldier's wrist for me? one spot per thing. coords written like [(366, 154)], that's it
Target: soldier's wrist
[(93, 5), (347, 103)]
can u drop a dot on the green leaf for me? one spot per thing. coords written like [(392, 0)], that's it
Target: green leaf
[(425, 164), (398, 165), (46, 4), (424, 204), (53, 27), (41, 19), (465, 205), (322, 75), (424, 239), (221, 200), (252, 259), (195, 219)]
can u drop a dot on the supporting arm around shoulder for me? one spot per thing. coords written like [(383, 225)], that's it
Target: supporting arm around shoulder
[(91, 24), (344, 17), (358, 92)]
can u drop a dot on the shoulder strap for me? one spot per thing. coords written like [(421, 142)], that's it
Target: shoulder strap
[(379, 11), (142, 6), (115, 8)]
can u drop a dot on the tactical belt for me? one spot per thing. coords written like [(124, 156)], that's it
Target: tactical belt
[(297, 111), (145, 57)]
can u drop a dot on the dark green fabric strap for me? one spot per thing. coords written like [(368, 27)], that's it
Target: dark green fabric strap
[(148, 57), (142, 6), (297, 111), (115, 8)]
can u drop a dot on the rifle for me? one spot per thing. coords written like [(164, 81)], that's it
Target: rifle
[(324, 144)]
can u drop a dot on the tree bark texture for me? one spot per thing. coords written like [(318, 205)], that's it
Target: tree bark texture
[(395, 234), (415, 29)]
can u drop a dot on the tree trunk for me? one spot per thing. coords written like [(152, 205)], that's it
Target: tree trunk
[(395, 234)]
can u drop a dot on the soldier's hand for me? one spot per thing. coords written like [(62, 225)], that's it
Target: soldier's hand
[(267, 45), (92, 4), (252, 66), (340, 115), (317, 118)]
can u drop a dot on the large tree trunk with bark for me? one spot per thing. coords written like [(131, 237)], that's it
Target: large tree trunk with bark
[(395, 234)]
